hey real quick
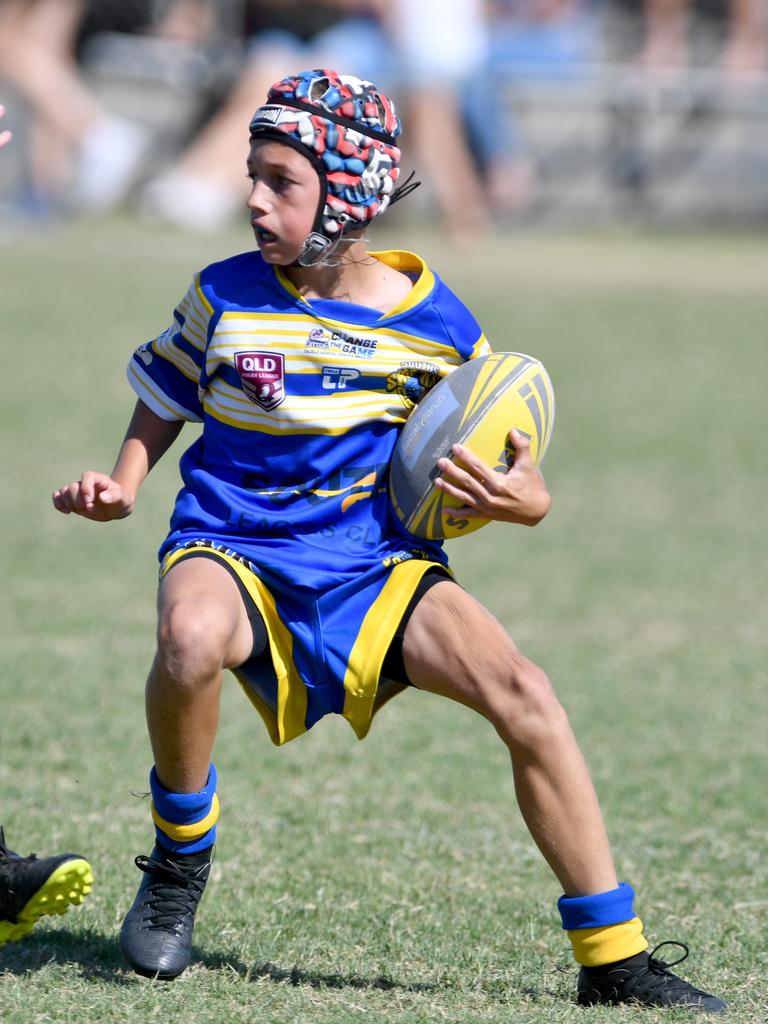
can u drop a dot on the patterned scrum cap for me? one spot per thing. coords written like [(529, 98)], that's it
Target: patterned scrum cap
[(348, 129)]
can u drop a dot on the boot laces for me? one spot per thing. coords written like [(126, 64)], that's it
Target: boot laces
[(174, 892), (658, 975), (661, 966)]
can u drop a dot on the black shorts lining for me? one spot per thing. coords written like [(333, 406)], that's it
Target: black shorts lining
[(393, 666)]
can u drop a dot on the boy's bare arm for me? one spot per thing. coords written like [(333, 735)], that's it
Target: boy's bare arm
[(103, 497)]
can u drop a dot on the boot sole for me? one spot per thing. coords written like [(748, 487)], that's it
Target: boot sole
[(66, 886)]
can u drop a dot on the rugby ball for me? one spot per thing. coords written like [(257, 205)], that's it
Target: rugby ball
[(476, 405)]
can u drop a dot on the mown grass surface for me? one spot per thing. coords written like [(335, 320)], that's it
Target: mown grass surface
[(393, 880)]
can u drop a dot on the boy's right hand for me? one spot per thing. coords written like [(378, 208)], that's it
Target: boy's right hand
[(95, 496)]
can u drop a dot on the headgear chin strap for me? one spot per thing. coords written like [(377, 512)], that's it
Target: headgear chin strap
[(347, 128), (317, 248)]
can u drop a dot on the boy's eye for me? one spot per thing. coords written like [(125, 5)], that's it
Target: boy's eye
[(275, 180)]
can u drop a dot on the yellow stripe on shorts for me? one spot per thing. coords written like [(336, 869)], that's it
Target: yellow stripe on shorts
[(367, 656)]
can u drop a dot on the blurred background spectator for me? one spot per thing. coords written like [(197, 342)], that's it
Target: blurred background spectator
[(77, 152), (552, 39), (464, 140), (460, 130), (206, 185), (668, 25), (69, 132), (513, 108)]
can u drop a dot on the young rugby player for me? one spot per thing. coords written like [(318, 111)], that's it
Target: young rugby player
[(285, 562)]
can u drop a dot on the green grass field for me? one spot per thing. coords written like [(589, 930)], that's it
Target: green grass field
[(393, 881)]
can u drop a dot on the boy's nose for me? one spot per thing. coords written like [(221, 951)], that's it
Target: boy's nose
[(258, 200)]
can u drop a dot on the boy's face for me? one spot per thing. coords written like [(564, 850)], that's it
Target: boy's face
[(285, 195)]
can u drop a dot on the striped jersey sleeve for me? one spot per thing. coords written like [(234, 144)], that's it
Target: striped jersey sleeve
[(166, 372), (461, 327), (482, 347)]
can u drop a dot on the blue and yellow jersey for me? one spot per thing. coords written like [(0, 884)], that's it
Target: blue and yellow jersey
[(301, 405)]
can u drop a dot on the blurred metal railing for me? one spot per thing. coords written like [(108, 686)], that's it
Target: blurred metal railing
[(622, 141)]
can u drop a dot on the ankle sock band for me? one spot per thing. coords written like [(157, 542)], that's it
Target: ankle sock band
[(185, 822), (596, 947), (602, 908), (603, 927)]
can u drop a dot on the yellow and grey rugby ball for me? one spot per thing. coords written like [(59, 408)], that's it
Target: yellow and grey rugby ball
[(476, 405)]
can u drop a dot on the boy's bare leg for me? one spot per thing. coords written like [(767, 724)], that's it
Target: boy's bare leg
[(203, 628), (454, 647)]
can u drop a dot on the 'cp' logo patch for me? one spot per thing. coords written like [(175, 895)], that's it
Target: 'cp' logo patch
[(262, 375)]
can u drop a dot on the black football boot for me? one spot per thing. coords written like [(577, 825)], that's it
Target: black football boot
[(646, 981), (156, 937), (32, 887)]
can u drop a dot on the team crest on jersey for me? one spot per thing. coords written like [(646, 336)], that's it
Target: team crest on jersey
[(412, 381), (262, 375)]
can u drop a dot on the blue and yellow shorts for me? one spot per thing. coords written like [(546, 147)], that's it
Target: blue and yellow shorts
[(338, 652)]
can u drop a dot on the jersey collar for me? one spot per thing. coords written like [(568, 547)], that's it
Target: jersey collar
[(399, 259)]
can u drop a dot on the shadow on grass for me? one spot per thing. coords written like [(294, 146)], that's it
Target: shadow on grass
[(298, 976), (96, 956), (502, 991)]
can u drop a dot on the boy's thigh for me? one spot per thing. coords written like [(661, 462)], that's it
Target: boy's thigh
[(454, 647), (198, 593)]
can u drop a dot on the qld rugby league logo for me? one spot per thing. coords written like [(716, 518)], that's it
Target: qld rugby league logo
[(262, 375)]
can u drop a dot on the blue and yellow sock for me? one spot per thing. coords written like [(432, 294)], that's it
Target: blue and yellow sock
[(185, 822), (603, 928)]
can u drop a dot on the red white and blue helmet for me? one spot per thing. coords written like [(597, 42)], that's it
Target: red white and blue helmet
[(348, 129)]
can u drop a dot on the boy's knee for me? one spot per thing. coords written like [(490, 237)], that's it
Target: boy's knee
[(191, 639), (525, 710)]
